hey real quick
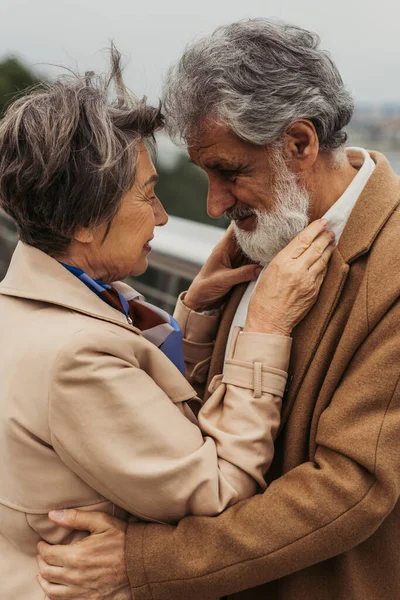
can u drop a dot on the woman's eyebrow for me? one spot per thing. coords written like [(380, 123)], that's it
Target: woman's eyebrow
[(153, 179)]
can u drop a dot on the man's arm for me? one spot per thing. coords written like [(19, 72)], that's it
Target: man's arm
[(318, 510)]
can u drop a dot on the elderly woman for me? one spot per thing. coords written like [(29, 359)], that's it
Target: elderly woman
[(93, 399)]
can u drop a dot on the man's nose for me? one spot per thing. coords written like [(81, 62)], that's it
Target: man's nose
[(219, 199)]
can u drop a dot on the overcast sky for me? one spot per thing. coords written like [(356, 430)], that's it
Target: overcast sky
[(362, 35)]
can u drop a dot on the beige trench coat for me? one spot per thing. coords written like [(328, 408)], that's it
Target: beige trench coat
[(328, 525), (92, 415)]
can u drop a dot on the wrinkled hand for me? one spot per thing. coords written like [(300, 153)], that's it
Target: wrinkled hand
[(93, 568), (290, 285), (219, 274)]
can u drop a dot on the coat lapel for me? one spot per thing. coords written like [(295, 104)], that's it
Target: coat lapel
[(308, 334), (376, 203), (34, 275)]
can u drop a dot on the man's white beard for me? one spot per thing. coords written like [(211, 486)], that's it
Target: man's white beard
[(275, 230)]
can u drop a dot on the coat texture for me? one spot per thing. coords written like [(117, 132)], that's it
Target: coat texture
[(328, 525), (93, 415)]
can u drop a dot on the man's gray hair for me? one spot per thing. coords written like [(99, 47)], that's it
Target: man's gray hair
[(257, 77), (68, 154)]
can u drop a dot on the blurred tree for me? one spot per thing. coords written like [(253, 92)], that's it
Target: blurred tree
[(14, 78), (183, 191)]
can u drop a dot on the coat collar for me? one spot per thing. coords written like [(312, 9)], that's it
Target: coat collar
[(376, 203), (34, 275), (373, 208)]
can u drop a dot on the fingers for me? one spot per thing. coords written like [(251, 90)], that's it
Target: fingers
[(320, 265), (304, 239), (54, 555), (50, 573), (53, 591), (316, 249), (243, 274), (228, 242), (95, 522), (230, 246)]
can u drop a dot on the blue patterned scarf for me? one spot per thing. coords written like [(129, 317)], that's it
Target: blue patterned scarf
[(156, 325)]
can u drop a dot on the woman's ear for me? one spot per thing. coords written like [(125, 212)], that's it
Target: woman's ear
[(301, 145)]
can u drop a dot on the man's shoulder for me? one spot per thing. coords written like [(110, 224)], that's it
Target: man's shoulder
[(383, 268)]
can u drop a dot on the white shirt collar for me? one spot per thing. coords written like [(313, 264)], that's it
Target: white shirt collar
[(339, 213), (337, 217)]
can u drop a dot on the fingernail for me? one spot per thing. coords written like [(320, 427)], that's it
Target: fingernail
[(57, 514), (258, 271), (323, 222)]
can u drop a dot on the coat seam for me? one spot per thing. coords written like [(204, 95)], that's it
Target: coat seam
[(311, 532), (43, 511), (249, 560), (121, 503), (383, 421), (367, 297)]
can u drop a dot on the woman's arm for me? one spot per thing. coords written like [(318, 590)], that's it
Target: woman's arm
[(198, 332), (198, 310), (118, 431), (212, 417)]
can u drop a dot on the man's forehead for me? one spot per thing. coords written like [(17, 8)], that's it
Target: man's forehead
[(216, 140), (209, 134)]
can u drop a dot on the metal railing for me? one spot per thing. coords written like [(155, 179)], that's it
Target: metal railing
[(178, 251)]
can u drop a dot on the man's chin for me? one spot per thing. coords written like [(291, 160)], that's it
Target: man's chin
[(249, 246)]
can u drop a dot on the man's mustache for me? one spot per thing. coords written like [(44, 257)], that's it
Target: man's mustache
[(239, 212)]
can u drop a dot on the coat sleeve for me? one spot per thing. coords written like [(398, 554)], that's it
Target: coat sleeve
[(318, 510), (119, 432), (199, 331)]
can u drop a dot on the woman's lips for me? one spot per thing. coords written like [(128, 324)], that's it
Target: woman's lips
[(147, 246), (248, 223)]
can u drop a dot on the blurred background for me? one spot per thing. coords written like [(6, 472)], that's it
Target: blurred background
[(39, 37)]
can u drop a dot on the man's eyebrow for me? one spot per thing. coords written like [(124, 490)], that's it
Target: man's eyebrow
[(153, 179), (221, 163), (215, 163)]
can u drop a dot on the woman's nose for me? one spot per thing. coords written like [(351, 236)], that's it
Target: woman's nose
[(160, 215)]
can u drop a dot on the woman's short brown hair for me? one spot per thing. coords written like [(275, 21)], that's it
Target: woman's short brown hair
[(68, 154)]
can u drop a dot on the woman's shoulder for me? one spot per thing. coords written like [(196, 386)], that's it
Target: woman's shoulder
[(81, 333)]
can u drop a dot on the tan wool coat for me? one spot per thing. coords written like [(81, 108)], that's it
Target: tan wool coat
[(93, 415), (328, 525)]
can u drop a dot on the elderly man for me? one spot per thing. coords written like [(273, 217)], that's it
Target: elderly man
[(262, 110)]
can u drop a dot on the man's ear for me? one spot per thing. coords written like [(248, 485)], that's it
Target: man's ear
[(301, 145), (84, 235)]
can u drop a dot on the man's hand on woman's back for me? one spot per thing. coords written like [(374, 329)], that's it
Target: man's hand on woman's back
[(91, 569)]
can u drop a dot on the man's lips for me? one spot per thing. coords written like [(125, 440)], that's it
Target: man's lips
[(246, 223)]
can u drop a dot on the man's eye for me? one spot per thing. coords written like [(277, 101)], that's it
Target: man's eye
[(227, 173)]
